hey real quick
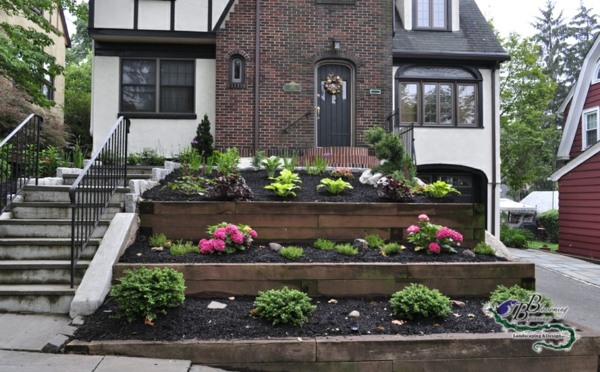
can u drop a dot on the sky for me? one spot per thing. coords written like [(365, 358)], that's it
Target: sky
[(517, 15)]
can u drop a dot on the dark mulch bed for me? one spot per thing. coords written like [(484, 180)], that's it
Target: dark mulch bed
[(192, 320)]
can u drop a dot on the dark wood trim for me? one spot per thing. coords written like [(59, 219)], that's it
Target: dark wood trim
[(157, 115), (138, 50), (223, 15), (172, 15), (136, 11), (91, 14), (126, 35), (210, 10)]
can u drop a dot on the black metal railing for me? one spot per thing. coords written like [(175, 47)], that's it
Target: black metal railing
[(405, 131), (94, 188), (19, 159), (305, 115)]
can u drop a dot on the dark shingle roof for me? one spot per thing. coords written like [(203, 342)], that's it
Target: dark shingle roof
[(475, 40)]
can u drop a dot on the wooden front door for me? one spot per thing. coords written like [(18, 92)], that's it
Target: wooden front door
[(334, 119)]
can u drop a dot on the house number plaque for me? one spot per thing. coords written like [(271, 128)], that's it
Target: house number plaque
[(292, 86)]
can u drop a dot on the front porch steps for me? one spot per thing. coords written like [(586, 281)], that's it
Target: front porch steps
[(350, 157)]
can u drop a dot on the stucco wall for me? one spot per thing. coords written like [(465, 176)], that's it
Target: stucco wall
[(148, 133)]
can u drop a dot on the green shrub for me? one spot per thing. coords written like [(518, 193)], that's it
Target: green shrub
[(374, 241), (180, 248), (324, 244), (270, 164), (346, 249), (502, 294), (283, 306), (147, 156), (158, 240), (146, 293), (290, 162), (204, 140), (484, 248), (417, 301), (292, 253), (388, 146), (227, 162), (392, 248), (515, 238), (258, 158), (549, 221), (439, 189)]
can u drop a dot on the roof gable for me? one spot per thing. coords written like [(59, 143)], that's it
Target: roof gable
[(578, 95)]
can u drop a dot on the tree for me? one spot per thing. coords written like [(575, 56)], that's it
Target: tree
[(78, 98), (23, 59), (528, 136), (81, 42), (581, 31)]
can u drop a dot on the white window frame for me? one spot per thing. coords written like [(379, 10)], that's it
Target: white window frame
[(596, 77), (584, 140)]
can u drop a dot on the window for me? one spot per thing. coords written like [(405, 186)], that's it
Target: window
[(431, 14), (157, 86), (590, 127), (438, 96), (237, 71), (596, 78)]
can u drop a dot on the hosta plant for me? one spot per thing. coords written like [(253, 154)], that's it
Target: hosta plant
[(283, 306), (439, 189), (334, 186), (285, 183)]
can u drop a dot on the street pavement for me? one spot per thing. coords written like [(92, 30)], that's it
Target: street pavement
[(30, 343)]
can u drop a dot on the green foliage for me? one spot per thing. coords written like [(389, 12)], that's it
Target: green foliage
[(318, 166), (346, 249), (334, 187), (147, 156), (78, 98), (271, 163), (324, 244), (549, 221), (292, 253), (78, 155), (439, 189), (203, 141), (417, 301), (374, 241), (290, 162), (391, 248), (258, 158), (285, 183), (159, 240), (190, 185), (515, 238), (393, 188), (227, 162), (389, 147), (180, 248), (344, 173), (146, 293), (484, 248), (51, 158), (283, 306), (502, 294)]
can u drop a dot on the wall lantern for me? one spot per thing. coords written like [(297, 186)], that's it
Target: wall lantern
[(336, 44)]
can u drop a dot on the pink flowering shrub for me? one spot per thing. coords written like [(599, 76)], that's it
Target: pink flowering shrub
[(434, 238), (227, 238)]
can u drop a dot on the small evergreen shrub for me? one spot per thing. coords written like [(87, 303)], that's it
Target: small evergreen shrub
[(515, 238), (417, 301), (392, 248), (484, 248), (346, 249), (388, 146), (180, 248), (374, 241), (502, 294), (204, 140), (291, 253), (146, 293), (283, 306), (158, 240), (549, 221), (147, 156), (324, 244)]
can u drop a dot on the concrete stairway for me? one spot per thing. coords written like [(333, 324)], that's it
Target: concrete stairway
[(35, 247)]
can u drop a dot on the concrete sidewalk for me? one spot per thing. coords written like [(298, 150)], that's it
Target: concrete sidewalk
[(574, 268)]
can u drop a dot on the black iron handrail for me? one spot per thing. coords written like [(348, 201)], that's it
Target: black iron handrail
[(94, 188), (19, 159), (305, 115)]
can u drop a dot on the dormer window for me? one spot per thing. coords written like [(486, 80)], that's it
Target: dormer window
[(431, 14), (596, 78)]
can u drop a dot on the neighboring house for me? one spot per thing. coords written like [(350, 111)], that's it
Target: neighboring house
[(260, 70), (542, 200), (579, 179), (57, 50)]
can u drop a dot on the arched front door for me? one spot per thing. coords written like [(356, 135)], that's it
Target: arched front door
[(334, 109)]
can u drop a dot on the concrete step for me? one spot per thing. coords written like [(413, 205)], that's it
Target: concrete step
[(40, 272), (69, 179), (47, 298), (54, 210), (39, 228), (55, 194), (43, 249)]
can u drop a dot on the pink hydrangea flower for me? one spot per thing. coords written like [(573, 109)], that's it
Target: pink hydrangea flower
[(205, 246), (457, 237), (435, 248), (237, 237), (413, 229), (220, 233), (253, 234), (423, 218), (231, 229), (218, 245)]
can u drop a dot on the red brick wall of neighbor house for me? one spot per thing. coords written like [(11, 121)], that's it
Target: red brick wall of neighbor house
[(294, 37), (592, 100), (579, 201)]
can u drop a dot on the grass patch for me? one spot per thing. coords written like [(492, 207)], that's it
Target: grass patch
[(537, 244)]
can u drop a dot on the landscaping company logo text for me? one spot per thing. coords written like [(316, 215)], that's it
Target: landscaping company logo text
[(536, 321)]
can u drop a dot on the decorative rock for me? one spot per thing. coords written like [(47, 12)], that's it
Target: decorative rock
[(332, 301), (275, 247), (360, 244), (368, 178), (216, 305), (458, 303), (354, 314), (468, 253), (157, 249)]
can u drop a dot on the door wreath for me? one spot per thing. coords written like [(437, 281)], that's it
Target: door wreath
[(333, 84)]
